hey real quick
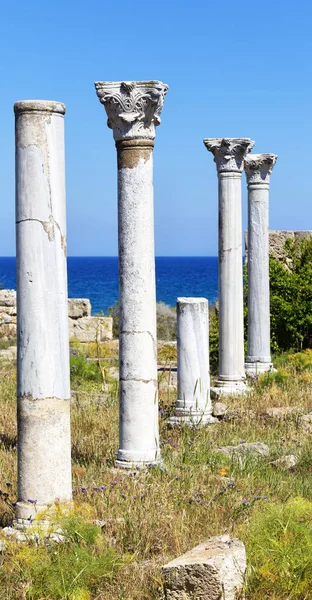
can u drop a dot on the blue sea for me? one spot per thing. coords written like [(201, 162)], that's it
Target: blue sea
[(96, 278)]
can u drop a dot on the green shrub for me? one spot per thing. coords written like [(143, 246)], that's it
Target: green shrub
[(279, 548), (290, 297), (73, 570), (82, 370)]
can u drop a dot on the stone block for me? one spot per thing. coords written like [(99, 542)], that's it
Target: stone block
[(79, 307), (282, 412), (8, 353), (7, 298), (7, 331), (287, 462), (219, 409), (277, 239), (213, 570), (305, 422), (167, 378), (91, 329), (254, 449)]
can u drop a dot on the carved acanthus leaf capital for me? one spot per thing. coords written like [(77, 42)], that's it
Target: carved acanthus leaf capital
[(133, 107), (229, 153), (258, 167)]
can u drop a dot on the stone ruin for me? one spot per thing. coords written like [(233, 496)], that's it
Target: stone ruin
[(277, 239), (45, 322), (81, 325)]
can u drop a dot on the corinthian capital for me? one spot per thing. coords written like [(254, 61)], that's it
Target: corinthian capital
[(258, 167), (229, 153), (133, 107)]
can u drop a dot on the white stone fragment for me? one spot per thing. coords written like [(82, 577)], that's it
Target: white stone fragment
[(213, 570), (9, 353), (282, 412), (219, 409), (287, 462), (244, 449), (305, 422)]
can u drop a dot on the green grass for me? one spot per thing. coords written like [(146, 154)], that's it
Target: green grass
[(153, 516)]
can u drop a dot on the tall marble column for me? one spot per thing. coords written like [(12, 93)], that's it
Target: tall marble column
[(193, 406), (133, 110), (43, 385), (258, 169), (229, 154)]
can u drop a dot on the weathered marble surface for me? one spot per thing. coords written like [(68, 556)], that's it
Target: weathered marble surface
[(133, 109), (193, 404), (229, 155), (258, 169), (212, 570), (43, 382)]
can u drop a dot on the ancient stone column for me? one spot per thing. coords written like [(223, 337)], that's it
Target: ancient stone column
[(43, 386), (133, 110), (229, 154), (258, 168), (193, 405)]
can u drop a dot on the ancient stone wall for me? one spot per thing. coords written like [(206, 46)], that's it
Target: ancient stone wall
[(277, 239), (82, 326)]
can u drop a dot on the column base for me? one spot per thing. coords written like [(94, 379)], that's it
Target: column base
[(134, 461), (40, 530), (191, 418), (256, 368), (27, 512), (229, 388)]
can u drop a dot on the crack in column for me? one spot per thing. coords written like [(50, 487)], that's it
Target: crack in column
[(48, 227)]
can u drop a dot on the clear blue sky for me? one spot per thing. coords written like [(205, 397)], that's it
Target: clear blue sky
[(234, 69)]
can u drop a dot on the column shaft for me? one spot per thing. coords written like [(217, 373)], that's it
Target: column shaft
[(258, 277), (258, 168), (133, 109), (43, 384), (229, 154), (231, 316), (137, 295)]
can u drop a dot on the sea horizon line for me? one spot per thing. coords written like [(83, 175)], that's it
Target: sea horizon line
[(116, 256)]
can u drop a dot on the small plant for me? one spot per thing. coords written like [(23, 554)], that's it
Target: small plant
[(81, 370), (72, 570), (279, 546)]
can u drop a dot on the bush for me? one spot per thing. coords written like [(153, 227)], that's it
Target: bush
[(73, 570), (279, 548), (82, 370), (290, 297)]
